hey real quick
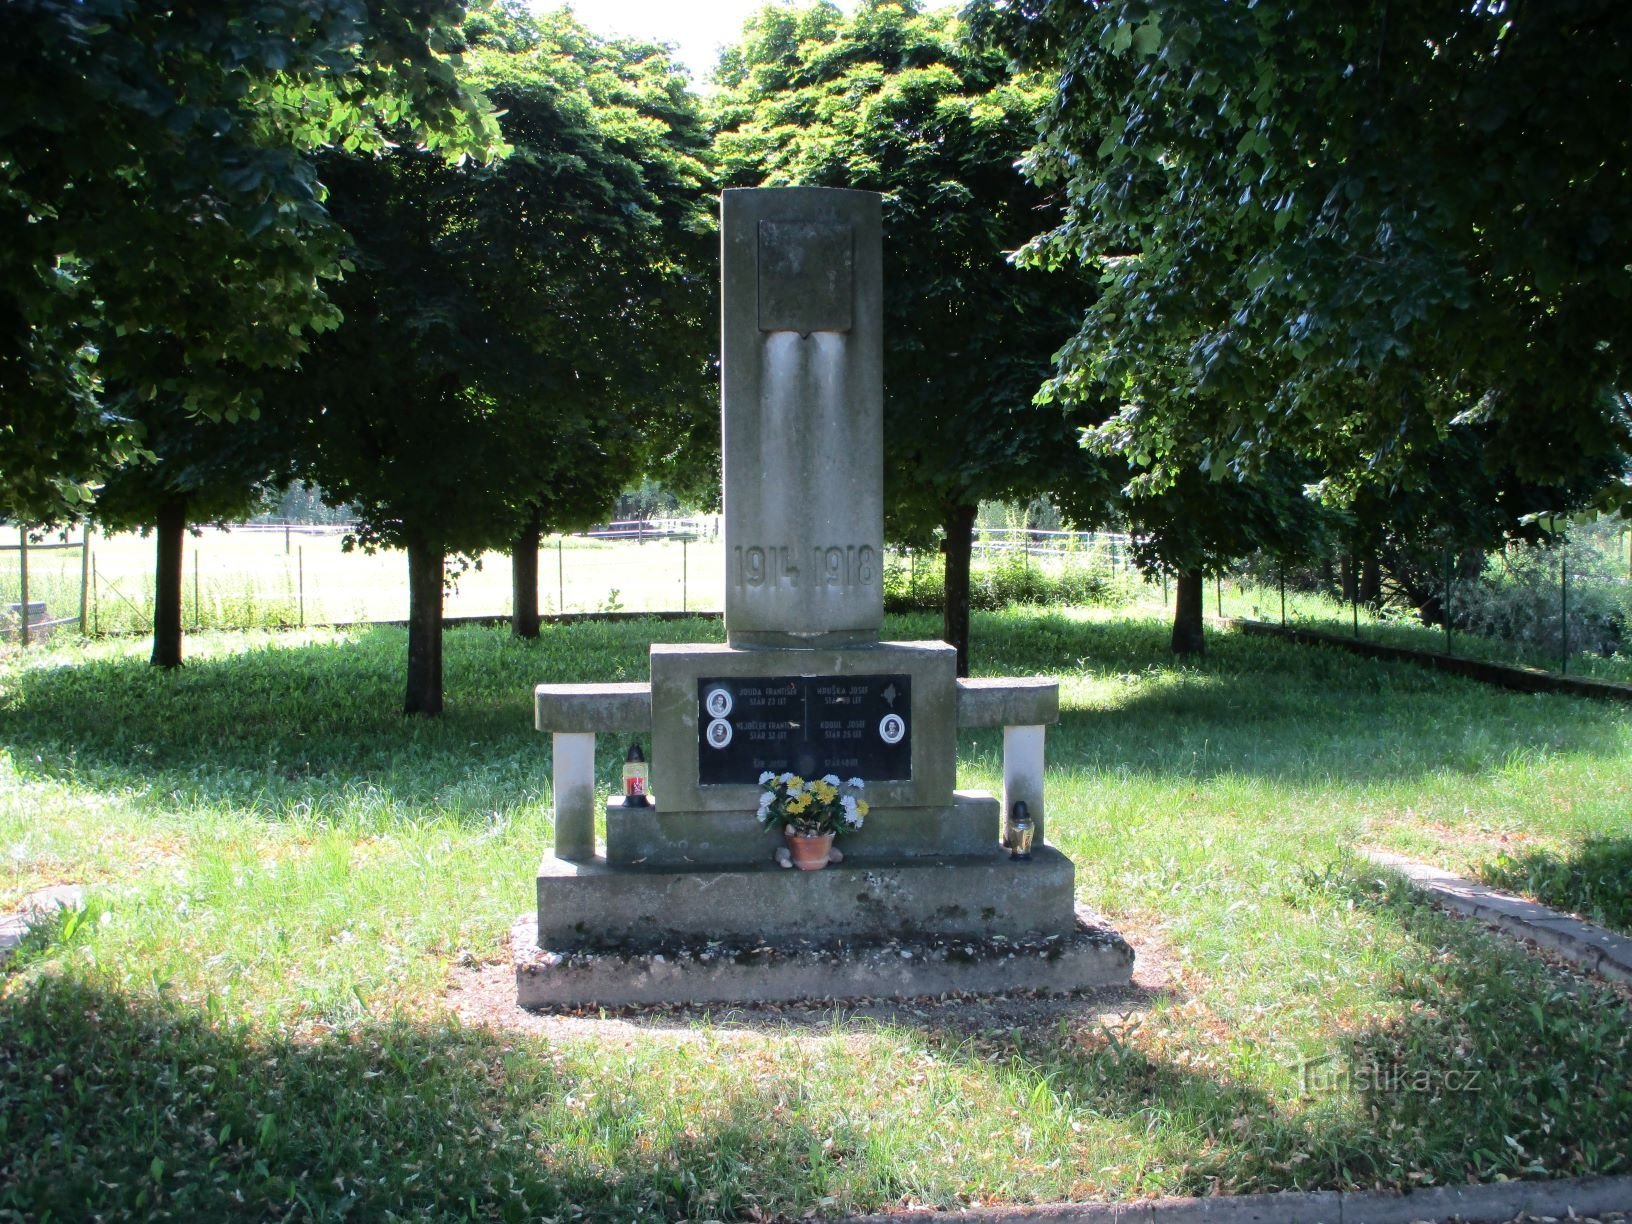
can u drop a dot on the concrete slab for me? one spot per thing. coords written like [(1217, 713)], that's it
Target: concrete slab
[(592, 708), (654, 836), (1008, 702), (583, 905), (754, 970)]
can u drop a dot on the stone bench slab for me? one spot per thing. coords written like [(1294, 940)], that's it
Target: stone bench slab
[(587, 709), (1008, 702)]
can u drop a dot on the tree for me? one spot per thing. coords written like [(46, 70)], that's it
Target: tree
[(895, 100), (1340, 229), (157, 186), (191, 472), (512, 330)]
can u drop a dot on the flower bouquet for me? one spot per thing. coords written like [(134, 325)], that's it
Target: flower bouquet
[(810, 814)]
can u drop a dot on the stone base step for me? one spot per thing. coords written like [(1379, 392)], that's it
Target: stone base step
[(589, 905), (1086, 957), (653, 836)]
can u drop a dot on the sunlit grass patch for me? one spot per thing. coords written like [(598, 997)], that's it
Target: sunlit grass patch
[(283, 870)]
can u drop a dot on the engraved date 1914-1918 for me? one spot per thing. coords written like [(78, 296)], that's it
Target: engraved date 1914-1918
[(851, 566)]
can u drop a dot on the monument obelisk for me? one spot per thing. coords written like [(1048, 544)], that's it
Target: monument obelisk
[(685, 902)]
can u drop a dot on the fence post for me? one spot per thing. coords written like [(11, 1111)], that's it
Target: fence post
[(84, 574), (1218, 594), (560, 579), (683, 574), (22, 576), (198, 611), (1563, 614), (1449, 644), (1283, 594), (300, 574)]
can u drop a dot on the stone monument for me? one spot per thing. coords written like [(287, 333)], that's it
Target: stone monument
[(686, 901)]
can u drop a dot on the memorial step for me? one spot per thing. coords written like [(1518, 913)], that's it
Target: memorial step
[(593, 904), (1087, 956)]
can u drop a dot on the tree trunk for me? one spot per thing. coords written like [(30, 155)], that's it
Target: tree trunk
[(960, 526), (424, 630), (1188, 638), (170, 531), (1371, 581), (524, 582)]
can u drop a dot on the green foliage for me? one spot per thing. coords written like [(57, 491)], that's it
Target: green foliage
[(1339, 231), (895, 100), (533, 320), (917, 584), (162, 230), (1518, 599)]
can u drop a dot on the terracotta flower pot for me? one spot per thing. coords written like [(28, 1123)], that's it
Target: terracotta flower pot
[(809, 853)]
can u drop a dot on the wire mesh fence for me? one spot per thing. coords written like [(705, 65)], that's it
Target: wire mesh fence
[(1567, 608)]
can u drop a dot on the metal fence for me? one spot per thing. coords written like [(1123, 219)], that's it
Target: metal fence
[(30, 619)]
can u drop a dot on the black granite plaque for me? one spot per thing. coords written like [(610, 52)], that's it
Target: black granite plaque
[(852, 726)]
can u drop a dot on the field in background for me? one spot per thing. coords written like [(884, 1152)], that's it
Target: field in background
[(251, 577), (260, 577)]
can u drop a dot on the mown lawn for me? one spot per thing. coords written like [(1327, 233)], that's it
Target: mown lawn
[(249, 1020)]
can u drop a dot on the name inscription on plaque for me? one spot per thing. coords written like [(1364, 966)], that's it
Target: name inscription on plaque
[(853, 726)]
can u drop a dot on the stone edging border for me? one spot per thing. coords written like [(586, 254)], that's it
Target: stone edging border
[(1496, 1201), (1595, 949), (14, 927), (1504, 675)]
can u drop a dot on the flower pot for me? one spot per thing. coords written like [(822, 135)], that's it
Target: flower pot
[(809, 853)]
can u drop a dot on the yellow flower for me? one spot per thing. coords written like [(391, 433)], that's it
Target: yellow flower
[(862, 807), (798, 804)]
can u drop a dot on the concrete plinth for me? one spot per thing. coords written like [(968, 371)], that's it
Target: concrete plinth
[(588, 905), (721, 970), (655, 836)]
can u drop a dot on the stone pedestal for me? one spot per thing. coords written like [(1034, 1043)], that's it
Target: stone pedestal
[(685, 902)]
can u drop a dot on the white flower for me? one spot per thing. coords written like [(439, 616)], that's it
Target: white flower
[(765, 777), (857, 783), (765, 801), (831, 779)]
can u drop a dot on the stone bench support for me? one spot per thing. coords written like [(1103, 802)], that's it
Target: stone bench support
[(575, 713), (1023, 708)]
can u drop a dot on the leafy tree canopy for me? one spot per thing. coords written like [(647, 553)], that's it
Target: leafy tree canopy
[(896, 100), (1340, 228), (518, 336), (161, 220)]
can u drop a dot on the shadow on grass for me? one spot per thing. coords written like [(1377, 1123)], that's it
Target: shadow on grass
[(1260, 708), (115, 1108), (273, 726), (1497, 1063), (1490, 1065), (1595, 880)]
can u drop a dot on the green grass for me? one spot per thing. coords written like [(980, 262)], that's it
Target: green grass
[(248, 1020)]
